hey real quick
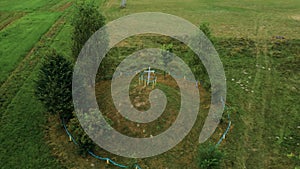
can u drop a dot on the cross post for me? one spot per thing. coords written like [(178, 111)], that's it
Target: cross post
[(149, 72)]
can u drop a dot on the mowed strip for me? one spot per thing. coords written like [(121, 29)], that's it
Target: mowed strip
[(22, 132), (13, 83), (23, 122), (17, 40)]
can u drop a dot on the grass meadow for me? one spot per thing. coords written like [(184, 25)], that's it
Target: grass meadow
[(262, 72)]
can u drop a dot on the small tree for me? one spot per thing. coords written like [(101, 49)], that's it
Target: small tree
[(54, 84), (209, 157), (86, 21)]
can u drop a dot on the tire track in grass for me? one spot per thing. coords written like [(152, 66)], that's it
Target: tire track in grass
[(21, 137), (266, 96), (13, 83), (61, 5), (256, 108), (282, 116), (11, 19), (273, 116)]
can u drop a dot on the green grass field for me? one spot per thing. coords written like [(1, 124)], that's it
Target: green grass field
[(262, 74), (23, 143), (27, 6), (23, 120), (21, 37), (227, 18)]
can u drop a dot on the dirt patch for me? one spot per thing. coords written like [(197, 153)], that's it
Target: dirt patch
[(296, 17), (139, 95)]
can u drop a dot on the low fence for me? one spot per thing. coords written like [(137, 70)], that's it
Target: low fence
[(107, 160)]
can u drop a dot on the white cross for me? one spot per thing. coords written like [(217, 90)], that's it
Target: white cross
[(149, 72)]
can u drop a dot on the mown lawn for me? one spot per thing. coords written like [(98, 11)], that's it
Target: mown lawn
[(22, 117), (23, 143), (19, 38), (63, 42)]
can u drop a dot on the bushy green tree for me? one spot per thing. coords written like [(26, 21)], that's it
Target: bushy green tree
[(54, 84), (209, 157), (87, 20)]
